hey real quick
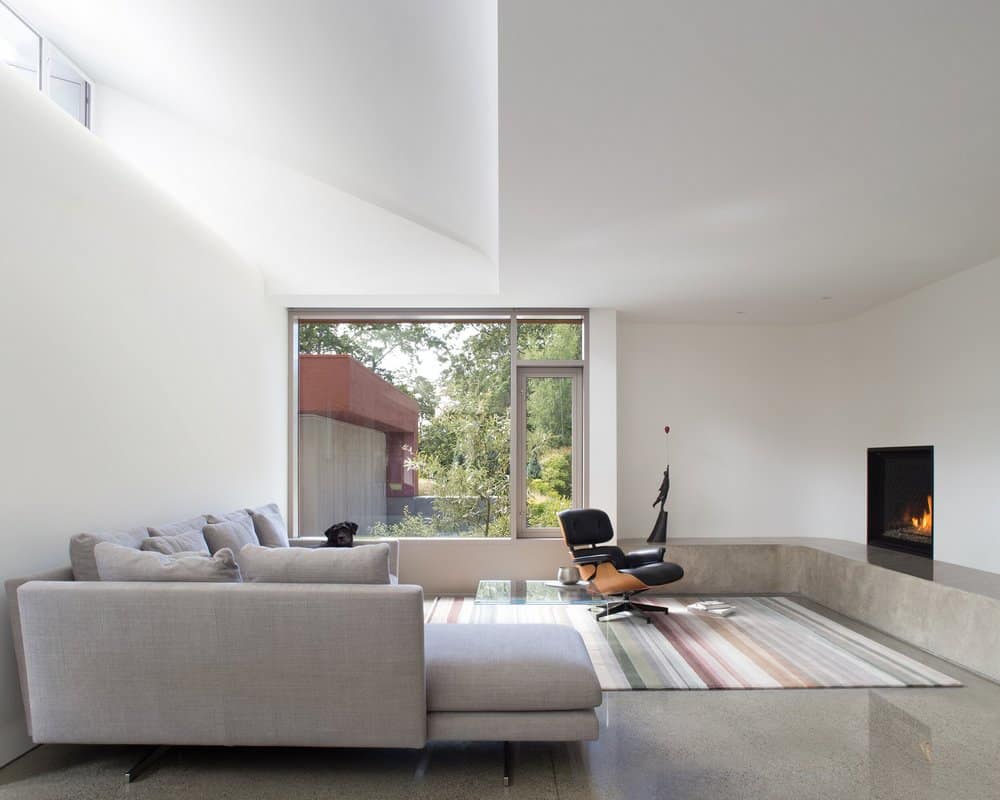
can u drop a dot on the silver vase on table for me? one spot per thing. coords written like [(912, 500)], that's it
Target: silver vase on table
[(568, 576)]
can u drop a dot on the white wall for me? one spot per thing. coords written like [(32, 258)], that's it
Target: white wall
[(770, 425), (744, 420), (925, 369), (144, 368)]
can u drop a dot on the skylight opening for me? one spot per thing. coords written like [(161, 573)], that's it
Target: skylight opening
[(35, 59)]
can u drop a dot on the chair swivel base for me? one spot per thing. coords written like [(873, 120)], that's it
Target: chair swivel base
[(627, 604)]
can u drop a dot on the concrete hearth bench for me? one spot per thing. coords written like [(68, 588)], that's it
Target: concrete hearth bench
[(950, 611)]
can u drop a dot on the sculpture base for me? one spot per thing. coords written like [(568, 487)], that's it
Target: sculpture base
[(659, 534)]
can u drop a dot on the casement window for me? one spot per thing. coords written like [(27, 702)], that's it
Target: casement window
[(39, 62), (408, 423)]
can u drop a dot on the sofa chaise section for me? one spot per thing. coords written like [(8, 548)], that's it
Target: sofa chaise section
[(509, 682)]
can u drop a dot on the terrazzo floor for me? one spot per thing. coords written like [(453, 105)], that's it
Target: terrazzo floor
[(786, 744)]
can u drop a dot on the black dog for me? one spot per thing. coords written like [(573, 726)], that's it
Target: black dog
[(341, 534)]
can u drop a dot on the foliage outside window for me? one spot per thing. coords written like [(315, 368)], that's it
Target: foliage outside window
[(549, 450), (549, 341)]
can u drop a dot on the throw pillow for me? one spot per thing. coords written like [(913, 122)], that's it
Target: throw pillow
[(369, 564), (175, 528), (232, 534), (190, 542), (81, 549), (269, 525), (239, 515), (117, 563)]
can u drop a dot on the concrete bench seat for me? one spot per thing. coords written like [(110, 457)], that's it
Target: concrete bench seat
[(952, 612)]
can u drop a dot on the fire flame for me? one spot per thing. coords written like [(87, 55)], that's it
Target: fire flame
[(925, 522)]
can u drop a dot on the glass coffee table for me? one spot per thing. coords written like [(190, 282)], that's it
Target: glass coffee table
[(535, 593)]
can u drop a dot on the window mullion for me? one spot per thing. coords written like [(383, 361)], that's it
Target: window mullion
[(515, 434)]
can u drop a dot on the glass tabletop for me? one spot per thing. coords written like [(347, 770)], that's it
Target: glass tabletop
[(520, 592)]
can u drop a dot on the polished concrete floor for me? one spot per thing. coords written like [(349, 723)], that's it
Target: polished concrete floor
[(804, 744)]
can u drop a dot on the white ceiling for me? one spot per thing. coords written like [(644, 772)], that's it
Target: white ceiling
[(699, 159), (710, 161)]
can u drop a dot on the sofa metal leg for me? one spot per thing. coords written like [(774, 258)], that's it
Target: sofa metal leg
[(150, 757), (508, 762)]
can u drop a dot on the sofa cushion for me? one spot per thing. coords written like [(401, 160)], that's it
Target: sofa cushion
[(175, 528), (233, 534), (270, 526), (508, 668), (81, 549), (369, 564), (239, 515), (190, 542), (390, 542), (117, 563)]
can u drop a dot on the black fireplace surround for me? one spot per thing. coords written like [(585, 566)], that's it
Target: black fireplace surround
[(901, 499)]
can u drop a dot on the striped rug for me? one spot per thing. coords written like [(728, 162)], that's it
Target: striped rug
[(769, 643)]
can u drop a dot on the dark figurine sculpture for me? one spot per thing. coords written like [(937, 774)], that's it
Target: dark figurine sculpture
[(661, 498), (659, 533)]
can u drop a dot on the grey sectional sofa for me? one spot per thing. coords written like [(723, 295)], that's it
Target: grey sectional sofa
[(310, 665)]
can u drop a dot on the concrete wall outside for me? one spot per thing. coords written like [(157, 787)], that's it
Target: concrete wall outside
[(341, 475)]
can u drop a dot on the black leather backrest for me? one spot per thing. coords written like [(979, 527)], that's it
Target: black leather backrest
[(583, 526)]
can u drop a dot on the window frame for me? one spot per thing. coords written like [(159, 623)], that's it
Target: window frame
[(45, 52), (509, 315), (48, 51)]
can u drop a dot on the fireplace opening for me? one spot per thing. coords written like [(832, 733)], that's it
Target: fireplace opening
[(901, 499)]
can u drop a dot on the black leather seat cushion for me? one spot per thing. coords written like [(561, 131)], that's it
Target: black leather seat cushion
[(623, 560), (656, 574)]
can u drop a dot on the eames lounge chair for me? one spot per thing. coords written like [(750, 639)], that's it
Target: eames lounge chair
[(612, 571)]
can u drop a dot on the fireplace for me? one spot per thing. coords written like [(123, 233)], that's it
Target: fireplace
[(901, 499)]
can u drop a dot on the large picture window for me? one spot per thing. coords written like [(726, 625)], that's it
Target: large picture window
[(408, 426)]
